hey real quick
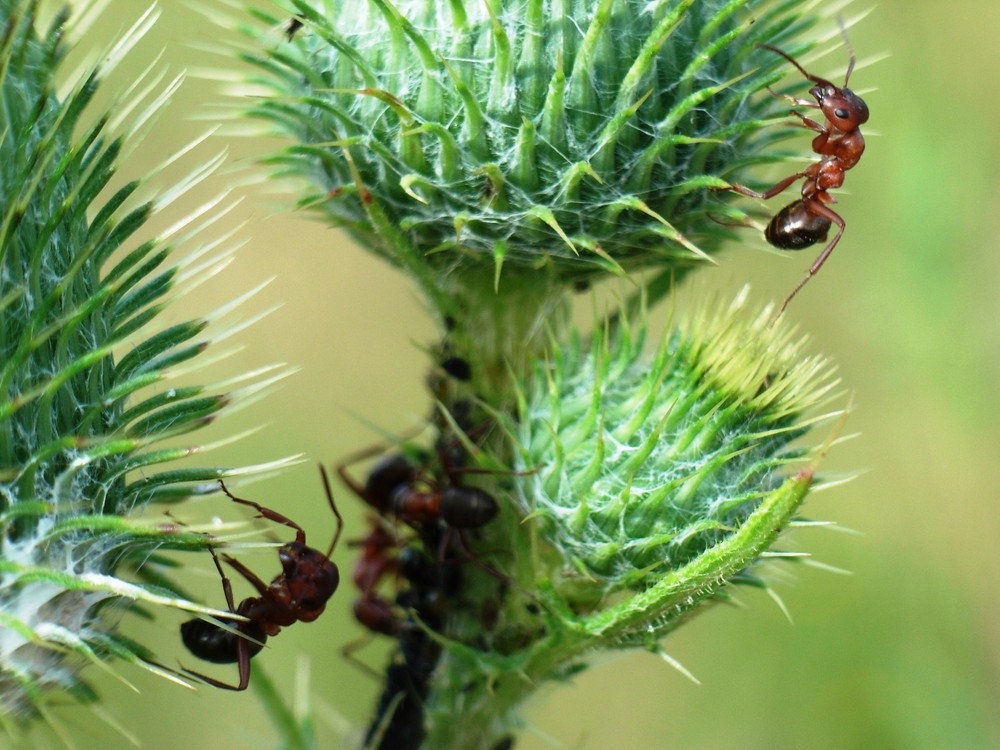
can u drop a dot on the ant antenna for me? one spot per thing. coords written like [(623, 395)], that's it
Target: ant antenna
[(333, 507), (847, 43), (806, 74)]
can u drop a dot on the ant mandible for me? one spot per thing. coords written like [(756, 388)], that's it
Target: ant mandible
[(298, 594), (806, 221)]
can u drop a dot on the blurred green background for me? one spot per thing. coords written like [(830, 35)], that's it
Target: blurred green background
[(902, 653)]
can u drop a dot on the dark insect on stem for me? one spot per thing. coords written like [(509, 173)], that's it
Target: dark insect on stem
[(458, 368), (839, 142), (395, 488), (295, 23), (298, 594), (438, 508)]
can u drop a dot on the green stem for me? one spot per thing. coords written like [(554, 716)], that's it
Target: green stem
[(500, 332)]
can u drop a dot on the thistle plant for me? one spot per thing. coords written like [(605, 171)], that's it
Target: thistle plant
[(96, 400), (504, 155)]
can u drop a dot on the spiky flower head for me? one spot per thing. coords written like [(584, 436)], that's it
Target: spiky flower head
[(85, 399), (578, 137), (638, 465)]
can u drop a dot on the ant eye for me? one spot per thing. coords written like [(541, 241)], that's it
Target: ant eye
[(841, 113)]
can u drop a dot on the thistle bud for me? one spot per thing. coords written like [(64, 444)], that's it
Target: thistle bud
[(576, 137), (636, 465)]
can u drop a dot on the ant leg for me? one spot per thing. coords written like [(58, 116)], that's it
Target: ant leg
[(794, 100), (244, 571), (746, 222), (271, 515), (498, 472), (333, 507), (242, 650), (452, 532), (244, 665), (807, 123), (365, 453), (227, 586), (348, 650), (820, 209), (781, 186)]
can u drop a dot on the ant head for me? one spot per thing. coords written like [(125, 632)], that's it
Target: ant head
[(841, 106), (310, 578)]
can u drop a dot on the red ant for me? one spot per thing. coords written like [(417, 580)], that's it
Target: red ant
[(807, 220), (459, 507), (391, 487), (372, 610), (396, 487), (298, 594), (427, 578)]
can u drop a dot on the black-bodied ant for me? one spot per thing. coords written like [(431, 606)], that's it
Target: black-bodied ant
[(298, 594), (807, 220)]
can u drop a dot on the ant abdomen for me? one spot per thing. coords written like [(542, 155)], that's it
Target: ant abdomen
[(467, 507), (211, 643), (796, 227)]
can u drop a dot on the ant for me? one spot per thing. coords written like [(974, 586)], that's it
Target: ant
[(806, 221), (375, 612), (392, 487), (398, 488), (399, 715), (372, 610), (298, 594), (459, 507)]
